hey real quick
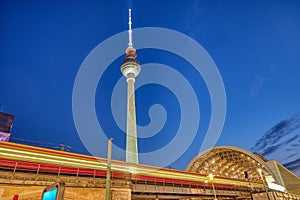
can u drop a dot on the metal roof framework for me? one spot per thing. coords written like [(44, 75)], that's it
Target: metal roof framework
[(231, 162)]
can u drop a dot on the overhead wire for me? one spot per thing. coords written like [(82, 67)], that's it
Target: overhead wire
[(43, 144)]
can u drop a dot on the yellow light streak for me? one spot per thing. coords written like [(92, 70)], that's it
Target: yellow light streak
[(41, 156), (64, 160), (51, 161)]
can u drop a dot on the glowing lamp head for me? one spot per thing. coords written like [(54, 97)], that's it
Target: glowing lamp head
[(259, 171)]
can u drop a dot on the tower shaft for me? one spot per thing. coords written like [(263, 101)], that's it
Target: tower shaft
[(131, 139)]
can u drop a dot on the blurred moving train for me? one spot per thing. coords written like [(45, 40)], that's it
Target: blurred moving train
[(21, 157)]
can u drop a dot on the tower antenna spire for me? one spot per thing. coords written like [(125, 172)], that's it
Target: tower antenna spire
[(129, 30)]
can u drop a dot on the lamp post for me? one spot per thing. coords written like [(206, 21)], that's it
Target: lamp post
[(247, 178), (107, 192), (211, 178), (263, 180)]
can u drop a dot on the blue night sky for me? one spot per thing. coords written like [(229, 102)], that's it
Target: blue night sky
[(254, 44)]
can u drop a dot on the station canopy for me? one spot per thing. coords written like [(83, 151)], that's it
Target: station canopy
[(231, 162)]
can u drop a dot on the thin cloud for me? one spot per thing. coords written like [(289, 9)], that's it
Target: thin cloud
[(272, 149), (293, 165), (283, 138), (257, 86), (280, 130), (290, 156)]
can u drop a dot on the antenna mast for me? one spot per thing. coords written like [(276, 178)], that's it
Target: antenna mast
[(129, 30)]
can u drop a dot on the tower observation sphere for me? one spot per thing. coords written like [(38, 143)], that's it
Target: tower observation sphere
[(130, 68)]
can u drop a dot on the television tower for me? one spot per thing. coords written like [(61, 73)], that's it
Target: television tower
[(131, 68)]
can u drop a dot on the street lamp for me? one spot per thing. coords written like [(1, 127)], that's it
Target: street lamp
[(263, 180), (247, 178), (108, 170), (211, 178)]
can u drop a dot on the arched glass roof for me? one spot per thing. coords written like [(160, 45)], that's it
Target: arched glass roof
[(231, 162)]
